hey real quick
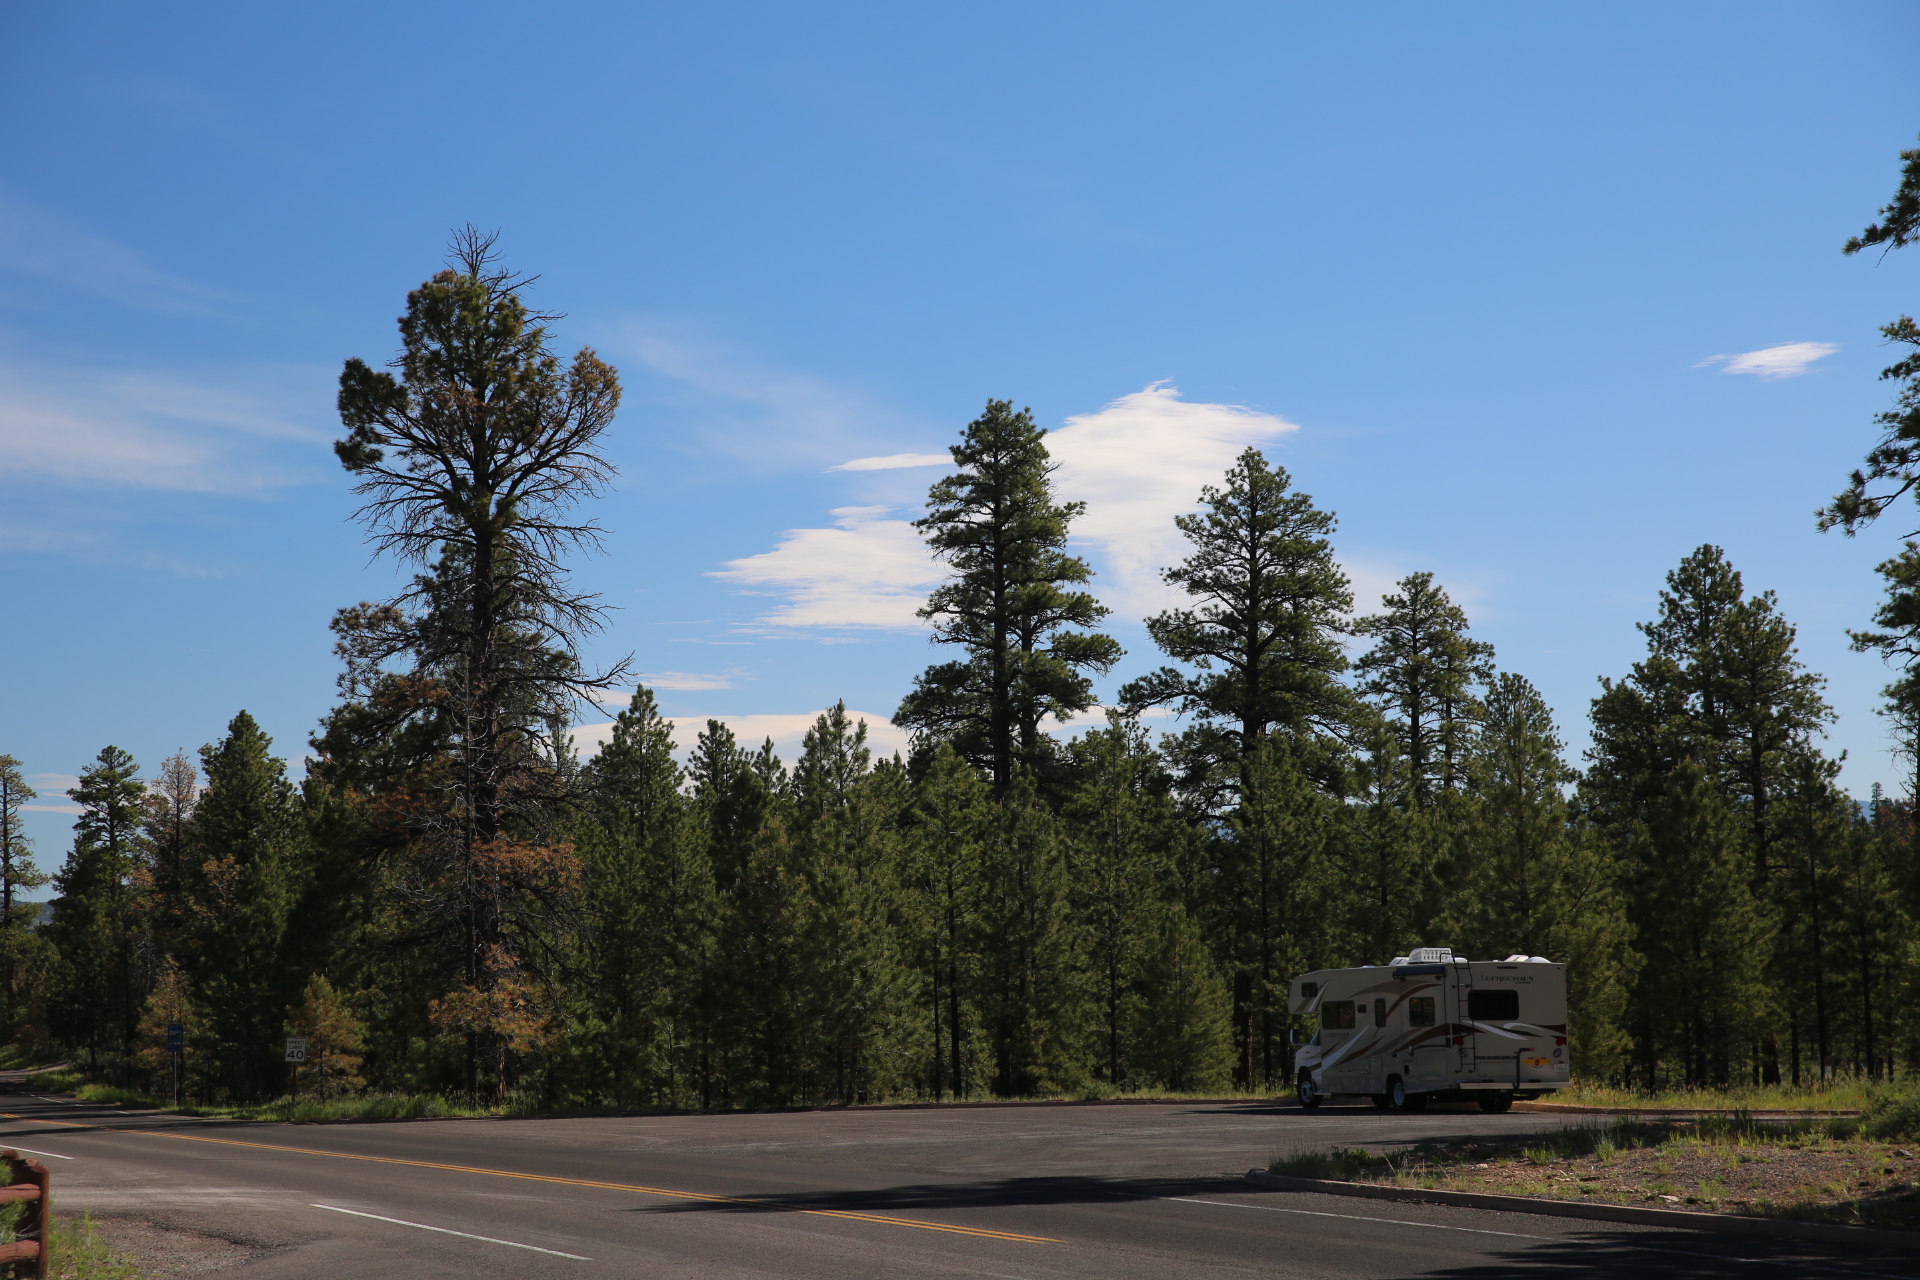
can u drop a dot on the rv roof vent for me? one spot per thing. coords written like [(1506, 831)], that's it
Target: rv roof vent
[(1431, 955), (1526, 960), (1397, 960)]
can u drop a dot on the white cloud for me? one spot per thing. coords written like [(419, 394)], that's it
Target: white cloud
[(1789, 360), (870, 571), (787, 732), (895, 461), (141, 430), (1138, 463)]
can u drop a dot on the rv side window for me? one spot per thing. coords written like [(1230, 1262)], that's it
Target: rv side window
[(1308, 990), (1420, 1011), (1493, 1006), (1336, 1015), (1379, 1013)]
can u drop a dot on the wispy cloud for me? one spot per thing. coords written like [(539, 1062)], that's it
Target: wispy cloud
[(35, 243), (895, 461), (1789, 360), (868, 571), (760, 412), (675, 680), (1139, 462), (142, 430)]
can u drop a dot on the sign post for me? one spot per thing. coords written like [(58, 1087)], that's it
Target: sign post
[(176, 1048), (296, 1054)]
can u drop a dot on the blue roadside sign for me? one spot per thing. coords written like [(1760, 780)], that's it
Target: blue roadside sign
[(176, 1037)]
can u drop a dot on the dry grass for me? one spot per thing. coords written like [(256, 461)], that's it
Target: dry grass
[(1809, 1169)]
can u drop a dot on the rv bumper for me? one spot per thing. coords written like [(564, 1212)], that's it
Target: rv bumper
[(1507, 1086)]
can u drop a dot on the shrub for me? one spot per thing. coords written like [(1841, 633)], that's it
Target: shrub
[(1892, 1115)]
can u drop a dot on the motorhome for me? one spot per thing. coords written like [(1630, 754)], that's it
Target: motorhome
[(1433, 1027)]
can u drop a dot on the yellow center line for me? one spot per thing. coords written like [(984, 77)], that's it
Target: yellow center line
[(887, 1219)]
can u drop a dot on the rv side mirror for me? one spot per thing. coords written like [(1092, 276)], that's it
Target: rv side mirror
[(1296, 1036)]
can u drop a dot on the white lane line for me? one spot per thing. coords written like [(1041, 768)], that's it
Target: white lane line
[(1521, 1235), (30, 1151), (398, 1222)]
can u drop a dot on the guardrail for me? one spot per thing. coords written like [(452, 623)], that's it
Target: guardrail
[(25, 1258)]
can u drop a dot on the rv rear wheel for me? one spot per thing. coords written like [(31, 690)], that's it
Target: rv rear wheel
[(1309, 1096), (1496, 1102)]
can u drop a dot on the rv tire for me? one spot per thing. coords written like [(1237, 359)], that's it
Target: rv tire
[(1400, 1099), (1496, 1102)]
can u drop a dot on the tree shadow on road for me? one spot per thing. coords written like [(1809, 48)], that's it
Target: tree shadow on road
[(1000, 1193)]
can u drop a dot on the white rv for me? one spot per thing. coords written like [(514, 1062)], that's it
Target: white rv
[(1432, 1026)]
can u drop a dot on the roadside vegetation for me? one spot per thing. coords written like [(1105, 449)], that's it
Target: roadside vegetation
[(79, 1252), (1845, 1094), (1863, 1170)]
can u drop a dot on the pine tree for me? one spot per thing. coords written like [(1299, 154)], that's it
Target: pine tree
[(1897, 456), (1386, 855), (471, 462), (846, 833), (95, 929), (1270, 899), (1523, 826), (649, 917), (1537, 882), (334, 1039), (249, 865), (952, 815), (1121, 831), (1265, 636), (17, 872), (1181, 1036), (1423, 671), (1010, 604), (1030, 993), (1707, 939)]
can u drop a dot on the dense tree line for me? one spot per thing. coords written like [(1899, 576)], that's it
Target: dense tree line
[(453, 900)]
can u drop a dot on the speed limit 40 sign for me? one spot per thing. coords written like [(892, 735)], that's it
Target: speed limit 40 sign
[(296, 1049)]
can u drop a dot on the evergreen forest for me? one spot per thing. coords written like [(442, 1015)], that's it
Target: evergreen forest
[(452, 899)]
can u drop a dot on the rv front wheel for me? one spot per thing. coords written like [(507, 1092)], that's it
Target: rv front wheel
[(1309, 1096), (1496, 1102), (1398, 1096)]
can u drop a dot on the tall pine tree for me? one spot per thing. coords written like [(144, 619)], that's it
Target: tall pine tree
[(1012, 603)]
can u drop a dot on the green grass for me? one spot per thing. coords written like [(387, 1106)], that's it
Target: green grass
[(61, 1081), (113, 1093), (371, 1106), (79, 1253)]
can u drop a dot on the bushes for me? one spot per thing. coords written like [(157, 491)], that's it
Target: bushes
[(1891, 1115)]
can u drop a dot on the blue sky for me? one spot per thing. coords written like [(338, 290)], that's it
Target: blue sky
[(1464, 270)]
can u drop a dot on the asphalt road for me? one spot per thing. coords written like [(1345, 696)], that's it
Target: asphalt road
[(1108, 1191)]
